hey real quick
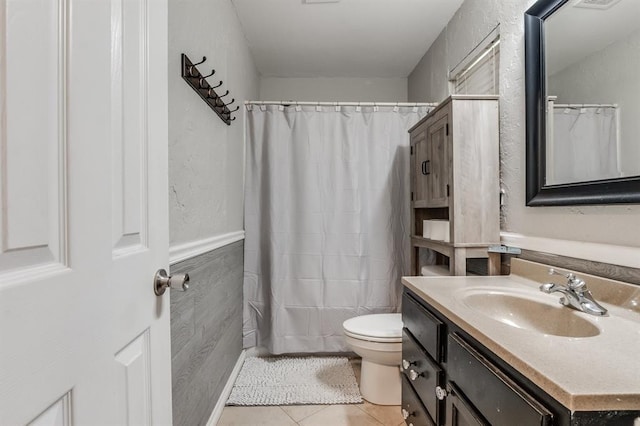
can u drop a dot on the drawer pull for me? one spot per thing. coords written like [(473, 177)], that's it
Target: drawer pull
[(441, 393), (413, 375), (405, 414), (406, 364)]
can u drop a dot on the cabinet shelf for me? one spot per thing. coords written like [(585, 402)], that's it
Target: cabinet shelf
[(425, 242)]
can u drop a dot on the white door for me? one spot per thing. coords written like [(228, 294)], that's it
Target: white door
[(83, 217)]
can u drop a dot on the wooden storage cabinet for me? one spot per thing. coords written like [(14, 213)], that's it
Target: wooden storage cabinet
[(420, 154), (429, 146), (455, 177)]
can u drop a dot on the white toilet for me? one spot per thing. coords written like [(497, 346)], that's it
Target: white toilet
[(378, 340)]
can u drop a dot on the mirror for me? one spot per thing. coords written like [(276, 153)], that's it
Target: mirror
[(582, 102)]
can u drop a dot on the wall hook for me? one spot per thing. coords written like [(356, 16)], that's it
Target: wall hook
[(198, 82), (204, 58), (232, 101), (237, 108), (233, 119), (202, 83)]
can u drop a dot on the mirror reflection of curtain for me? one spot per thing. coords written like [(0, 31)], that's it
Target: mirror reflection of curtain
[(585, 145), (327, 221)]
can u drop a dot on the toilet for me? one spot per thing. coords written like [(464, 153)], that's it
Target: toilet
[(377, 339)]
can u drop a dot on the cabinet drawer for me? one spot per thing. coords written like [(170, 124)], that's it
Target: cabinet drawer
[(412, 408), (427, 329), (423, 374), (500, 400)]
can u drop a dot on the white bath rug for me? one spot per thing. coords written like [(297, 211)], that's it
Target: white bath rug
[(295, 380)]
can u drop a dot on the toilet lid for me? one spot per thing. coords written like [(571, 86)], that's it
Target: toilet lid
[(376, 327)]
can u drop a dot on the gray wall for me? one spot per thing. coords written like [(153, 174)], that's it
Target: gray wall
[(206, 331), (206, 156), (561, 230)]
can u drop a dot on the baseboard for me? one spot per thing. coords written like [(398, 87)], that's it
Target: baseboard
[(185, 251), (597, 252), (226, 391)]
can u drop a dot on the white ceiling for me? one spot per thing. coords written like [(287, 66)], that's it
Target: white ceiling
[(349, 38)]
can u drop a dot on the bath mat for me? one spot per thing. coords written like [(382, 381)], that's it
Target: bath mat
[(295, 380)]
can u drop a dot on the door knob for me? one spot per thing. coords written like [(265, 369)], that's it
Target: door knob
[(162, 281)]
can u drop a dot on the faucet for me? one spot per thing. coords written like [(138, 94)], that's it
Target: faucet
[(575, 294)]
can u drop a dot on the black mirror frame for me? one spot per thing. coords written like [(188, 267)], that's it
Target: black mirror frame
[(609, 191)]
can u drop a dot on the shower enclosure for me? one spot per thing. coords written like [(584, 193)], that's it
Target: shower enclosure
[(326, 217)]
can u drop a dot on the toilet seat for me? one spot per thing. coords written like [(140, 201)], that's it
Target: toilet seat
[(383, 328)]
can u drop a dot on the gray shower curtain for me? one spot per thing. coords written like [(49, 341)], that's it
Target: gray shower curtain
[(326, 219)]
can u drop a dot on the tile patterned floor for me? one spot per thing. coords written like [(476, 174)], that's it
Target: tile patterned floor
[(365, 414)]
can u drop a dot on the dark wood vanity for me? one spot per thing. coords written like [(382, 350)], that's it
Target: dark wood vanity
[(449, 378)]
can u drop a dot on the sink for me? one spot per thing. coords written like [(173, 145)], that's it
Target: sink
[(530, 311)]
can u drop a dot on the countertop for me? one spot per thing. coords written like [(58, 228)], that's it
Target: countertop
[(597, 373)]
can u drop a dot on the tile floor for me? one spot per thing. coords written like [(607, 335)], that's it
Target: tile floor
[(365, 414)]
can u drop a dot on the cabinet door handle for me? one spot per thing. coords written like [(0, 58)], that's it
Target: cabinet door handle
[(405, 414), (441, 393), (413, 375), (406, 364), (426, 167)]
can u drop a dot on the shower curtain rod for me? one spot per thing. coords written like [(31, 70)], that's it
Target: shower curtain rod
[(552, 100), (585, 105), (383, 104)]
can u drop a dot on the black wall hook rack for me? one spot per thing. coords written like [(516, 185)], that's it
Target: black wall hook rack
[(198, 82)]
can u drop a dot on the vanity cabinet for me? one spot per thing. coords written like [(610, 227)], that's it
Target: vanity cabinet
[(454, 383), (455, 177), (450, 379)]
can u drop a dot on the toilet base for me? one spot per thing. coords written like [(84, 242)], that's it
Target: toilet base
[(380, 384)]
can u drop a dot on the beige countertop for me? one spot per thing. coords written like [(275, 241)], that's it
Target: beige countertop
[(596, 373)]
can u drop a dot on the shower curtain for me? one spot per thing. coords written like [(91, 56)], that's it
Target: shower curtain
[(585, 145), (326, 219)]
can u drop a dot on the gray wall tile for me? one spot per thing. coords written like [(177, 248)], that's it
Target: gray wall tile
[(206, 331)]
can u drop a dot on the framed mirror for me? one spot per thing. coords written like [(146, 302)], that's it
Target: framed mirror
[(582, 86)]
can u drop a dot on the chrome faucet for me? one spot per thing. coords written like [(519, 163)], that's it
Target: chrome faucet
[(575, 294)]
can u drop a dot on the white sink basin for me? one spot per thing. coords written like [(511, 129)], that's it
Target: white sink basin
[(527, 310)]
